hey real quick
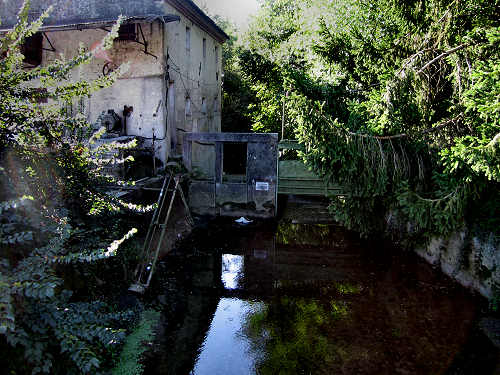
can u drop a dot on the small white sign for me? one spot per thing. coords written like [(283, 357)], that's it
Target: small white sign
[(262, 186)]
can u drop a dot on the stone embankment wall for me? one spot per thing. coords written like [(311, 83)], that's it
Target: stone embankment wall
[(471, 258), (473, 261)]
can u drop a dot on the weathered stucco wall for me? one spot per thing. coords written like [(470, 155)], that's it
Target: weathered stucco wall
[(473, 261), (177, 92), (194, 81), (141, 87)]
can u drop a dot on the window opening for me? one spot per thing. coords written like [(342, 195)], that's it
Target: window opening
[(81, 105), (188, 39), (188, 106), (127, 32), (32, 49), (68, 108), (216, 63), (216, 104), (171, 116), (203, 106), (204, 50), (234, 162)]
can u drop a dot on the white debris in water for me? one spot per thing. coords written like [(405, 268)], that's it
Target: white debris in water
[(243, 220)]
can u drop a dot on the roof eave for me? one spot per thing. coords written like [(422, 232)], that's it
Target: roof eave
[(191, 11), (96, 24)]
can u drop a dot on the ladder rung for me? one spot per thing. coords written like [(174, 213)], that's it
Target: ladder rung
[(149, 256)]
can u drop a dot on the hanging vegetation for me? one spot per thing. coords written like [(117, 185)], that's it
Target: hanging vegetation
[(398, 101), (52, 218)]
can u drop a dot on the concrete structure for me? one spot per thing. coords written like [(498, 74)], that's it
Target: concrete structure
[(472, 258), (473, 261), (249, 190), (174, 52)]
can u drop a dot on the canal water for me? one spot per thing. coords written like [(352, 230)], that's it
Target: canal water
[(309, 299)]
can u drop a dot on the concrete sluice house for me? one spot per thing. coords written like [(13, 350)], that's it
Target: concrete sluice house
[(173, 85)]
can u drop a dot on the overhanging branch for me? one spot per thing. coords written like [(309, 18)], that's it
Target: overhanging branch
[(444, 54)]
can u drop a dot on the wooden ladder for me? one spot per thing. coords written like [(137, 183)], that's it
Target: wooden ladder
[(156, 232)]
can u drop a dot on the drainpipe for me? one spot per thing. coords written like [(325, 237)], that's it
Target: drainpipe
[(155, 115), (154, 153), (166, 75)]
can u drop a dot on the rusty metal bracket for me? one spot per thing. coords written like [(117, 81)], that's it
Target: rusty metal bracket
[(144, 42), (51, 49)]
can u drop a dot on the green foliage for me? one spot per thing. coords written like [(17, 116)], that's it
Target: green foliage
[(236, 94), (398, 102), (37, 314), (129, 360), (478, 154), (293, 332), (84, 333), (47, 159), (442, 215)]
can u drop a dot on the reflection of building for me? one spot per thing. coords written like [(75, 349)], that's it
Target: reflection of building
[(232, 270), (262, 262), (174, 50)]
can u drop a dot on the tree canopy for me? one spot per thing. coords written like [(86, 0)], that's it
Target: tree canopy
[(396, 100)]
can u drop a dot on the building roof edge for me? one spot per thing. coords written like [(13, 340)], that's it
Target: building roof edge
[(189, 9)]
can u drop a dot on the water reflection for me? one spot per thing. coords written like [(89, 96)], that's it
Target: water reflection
[(293, 335), (226, 350), (232, 270), (307, 300)]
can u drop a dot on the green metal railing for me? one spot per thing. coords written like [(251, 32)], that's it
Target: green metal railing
[(294, 177)]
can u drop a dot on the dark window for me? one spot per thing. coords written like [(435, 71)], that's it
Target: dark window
[(127, 32), (187, 108), (188, 39), (203, 106), (32, 50), (216, 104), (234, 162)]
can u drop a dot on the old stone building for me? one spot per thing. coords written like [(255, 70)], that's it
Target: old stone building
[(173, 84)]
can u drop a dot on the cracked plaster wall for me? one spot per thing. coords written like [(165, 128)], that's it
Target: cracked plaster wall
[(193, 77)]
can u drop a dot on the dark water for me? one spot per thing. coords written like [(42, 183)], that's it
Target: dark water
[(309, 299)]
